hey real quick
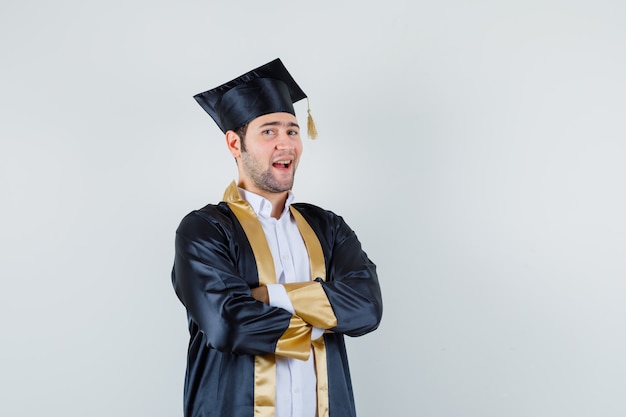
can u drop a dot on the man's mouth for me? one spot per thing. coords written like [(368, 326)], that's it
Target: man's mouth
[(283, 164)]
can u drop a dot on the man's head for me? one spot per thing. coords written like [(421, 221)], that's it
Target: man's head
[(267, 151), (256, 113)]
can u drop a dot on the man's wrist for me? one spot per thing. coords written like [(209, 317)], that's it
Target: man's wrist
[(261, 294)]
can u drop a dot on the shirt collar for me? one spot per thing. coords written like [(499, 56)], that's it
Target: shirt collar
[(262, 206)]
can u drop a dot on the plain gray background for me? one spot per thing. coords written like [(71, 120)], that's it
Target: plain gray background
[(476, 147)]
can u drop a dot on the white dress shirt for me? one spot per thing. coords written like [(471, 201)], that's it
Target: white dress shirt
[(296, 394)]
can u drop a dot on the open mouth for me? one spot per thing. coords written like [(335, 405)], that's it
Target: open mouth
[(282, 164)]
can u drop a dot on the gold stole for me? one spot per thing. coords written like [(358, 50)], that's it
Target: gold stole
[(265, 365)]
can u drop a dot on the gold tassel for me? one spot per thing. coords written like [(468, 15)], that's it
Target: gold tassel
[(310, 125)]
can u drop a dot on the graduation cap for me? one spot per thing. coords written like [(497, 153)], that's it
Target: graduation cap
[(264, 90)]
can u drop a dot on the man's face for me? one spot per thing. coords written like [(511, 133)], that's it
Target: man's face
[(272, 151)]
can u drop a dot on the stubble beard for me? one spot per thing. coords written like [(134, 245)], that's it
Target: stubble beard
[(264, 179)]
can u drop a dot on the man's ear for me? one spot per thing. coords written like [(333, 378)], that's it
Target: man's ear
[(233, 143)]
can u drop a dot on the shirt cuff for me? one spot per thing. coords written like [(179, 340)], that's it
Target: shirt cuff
[(279, 298), (316, 333)]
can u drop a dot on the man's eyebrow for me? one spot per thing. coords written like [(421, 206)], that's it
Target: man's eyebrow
[(290, 124)]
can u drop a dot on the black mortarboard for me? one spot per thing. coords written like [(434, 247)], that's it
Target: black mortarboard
[(267, 89)]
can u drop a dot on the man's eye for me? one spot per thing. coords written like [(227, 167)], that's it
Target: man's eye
[(268, 132), (293, 132)]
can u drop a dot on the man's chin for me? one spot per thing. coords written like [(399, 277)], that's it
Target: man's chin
[(276, 188), (282, 186)]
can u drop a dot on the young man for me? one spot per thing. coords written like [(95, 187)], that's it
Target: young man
[(270, 286)]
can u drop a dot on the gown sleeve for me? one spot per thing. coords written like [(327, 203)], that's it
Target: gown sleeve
[(213, 283), (351, 292)]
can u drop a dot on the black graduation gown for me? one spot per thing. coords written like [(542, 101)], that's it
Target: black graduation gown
[(214, 270)]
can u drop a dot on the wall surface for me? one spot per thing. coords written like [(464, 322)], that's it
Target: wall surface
[(476, 147)]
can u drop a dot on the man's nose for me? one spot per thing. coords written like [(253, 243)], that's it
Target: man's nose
[(284, 141)]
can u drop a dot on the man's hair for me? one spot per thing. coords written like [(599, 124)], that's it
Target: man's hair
[(241, 132)]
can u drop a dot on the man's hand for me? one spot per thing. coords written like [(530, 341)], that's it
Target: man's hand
[(261, 294)]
